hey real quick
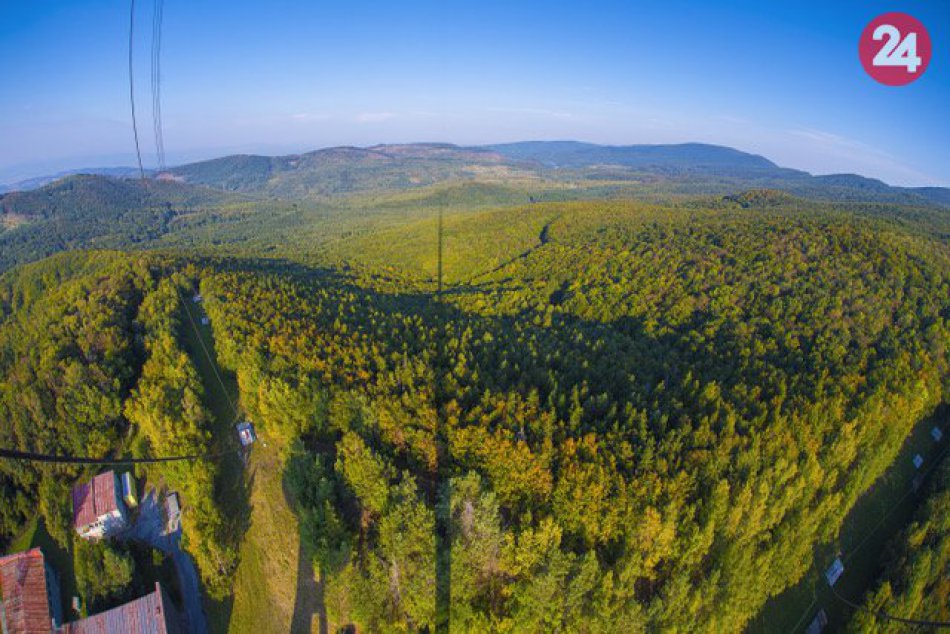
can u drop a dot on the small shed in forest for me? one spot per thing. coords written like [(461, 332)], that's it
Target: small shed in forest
[(834, 571), (246, 433), (817, 624)]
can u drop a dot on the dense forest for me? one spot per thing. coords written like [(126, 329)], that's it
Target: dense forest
[(647, 417), (619, 415)]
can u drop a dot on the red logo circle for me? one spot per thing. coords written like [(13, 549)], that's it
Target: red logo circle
[(895, 49)]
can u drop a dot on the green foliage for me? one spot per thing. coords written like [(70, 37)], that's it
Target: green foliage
[(167, 407), (95, 211), (55, 505), (652, 414), (366, 474), (67, 360), (318, 500), (104, 572)]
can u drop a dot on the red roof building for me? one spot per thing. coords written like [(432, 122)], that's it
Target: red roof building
[(151, 614), (98, 509), (27, 587)]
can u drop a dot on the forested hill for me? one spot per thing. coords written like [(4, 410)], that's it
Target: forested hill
[(91, 210), (652, 415), (689, 168), (640, 404), (301, 203), (693, 168), (344, 170), (686, 156)]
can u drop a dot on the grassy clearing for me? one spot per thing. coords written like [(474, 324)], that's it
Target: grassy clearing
[(876, 517), (265, 583)]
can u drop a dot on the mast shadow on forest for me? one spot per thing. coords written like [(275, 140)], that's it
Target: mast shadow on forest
[(515, 349)]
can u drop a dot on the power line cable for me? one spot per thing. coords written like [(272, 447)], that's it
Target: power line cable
[(135, 128), (937, 459), (881, 614), (12, 454), (211, 361), (157, 19)]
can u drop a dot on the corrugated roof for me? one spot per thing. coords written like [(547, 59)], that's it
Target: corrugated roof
[(93, 499), (150, 614), (25, 599)]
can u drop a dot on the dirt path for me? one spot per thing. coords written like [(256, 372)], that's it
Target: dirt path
[(148, 529)]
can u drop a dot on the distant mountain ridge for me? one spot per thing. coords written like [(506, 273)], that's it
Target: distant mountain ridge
[(687, 168), (683, 155), (39, 181), (341, 170)]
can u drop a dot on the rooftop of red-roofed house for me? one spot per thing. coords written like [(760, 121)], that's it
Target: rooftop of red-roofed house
[(151, 614), (24, 592), (93, 499)]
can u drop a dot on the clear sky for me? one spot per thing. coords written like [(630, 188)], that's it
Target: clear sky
[(777, 78)]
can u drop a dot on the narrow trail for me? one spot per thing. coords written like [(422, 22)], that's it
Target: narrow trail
[(544, 237)]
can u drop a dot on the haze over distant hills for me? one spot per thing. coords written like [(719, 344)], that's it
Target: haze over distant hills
[(278, 200), (687, 168)]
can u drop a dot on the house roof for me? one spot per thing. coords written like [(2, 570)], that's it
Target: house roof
[(93, 499), (25, 598), (151, 614)]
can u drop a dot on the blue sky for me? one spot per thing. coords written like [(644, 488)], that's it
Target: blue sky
[(777, 78)]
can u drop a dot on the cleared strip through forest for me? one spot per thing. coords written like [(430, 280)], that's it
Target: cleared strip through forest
[(220, 392), (877, 516)]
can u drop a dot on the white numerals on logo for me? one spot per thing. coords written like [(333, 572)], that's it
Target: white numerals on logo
[(896, 52)]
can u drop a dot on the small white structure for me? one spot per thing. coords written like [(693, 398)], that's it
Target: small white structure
[(98, 510), (197, 298), (205, 321), (246, 433), (129, 492), (918, 461), (937, 434), (834, 572), (172, 513)]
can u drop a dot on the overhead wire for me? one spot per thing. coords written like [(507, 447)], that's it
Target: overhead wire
[(846, 556), (157, 18), (135, 127), (881, 614), (211, 360), (12, 454)]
